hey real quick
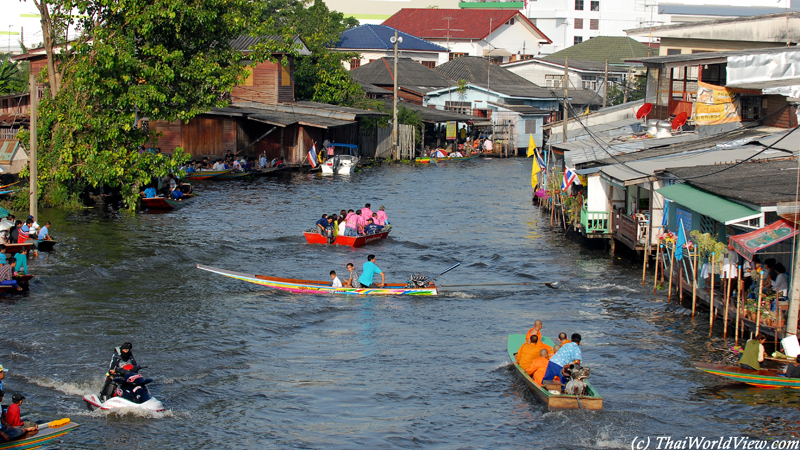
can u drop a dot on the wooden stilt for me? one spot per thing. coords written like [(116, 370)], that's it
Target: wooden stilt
[(711, 303), (655, 277), (727, 300), (646, 254), (681, 266), (671, 263), (694, 283), (738, 305), (758, 301)]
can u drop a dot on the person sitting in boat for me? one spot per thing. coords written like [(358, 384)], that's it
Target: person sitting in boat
[(527, 352), (13, 232), (352, 281), (123, 356), (567, 354), (323, 224), (150, 192), (793, 369), (366, 213), (24, 232), (351, 226), (456, 154), (7, 273), (13, 416), (536, 329), (7, 433), (44, 232), (368, 272), (341, 229), (538, 367), (562, 338), (176, 194), (335, 281), (21, 259), (381, 216), (753, 354), (237, 166), (34, 226), (372, 227)]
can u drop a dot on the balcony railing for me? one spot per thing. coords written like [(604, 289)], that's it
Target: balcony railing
[(594, 221)]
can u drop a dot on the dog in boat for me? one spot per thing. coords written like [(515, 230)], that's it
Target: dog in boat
[(576, 374)]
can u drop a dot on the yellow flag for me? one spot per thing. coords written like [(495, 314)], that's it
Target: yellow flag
[(531, 147), (534, 171)]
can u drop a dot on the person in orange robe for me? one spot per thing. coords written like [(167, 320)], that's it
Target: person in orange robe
[(537, 329), (538, 366), (562, 338), (542, 346), (527, 352)]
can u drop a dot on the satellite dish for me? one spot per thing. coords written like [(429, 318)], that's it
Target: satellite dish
[(679, 120), (644, 110)]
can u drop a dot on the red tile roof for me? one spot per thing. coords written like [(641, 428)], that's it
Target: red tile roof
[(463, 24)]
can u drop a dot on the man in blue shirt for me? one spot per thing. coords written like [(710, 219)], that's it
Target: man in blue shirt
[(567, 354), (371, 227), (322, 224), (368, 272), (150, 192), (44, 232)]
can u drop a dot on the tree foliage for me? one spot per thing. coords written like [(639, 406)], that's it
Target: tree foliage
[(616, 93), (13, 76), (136, 59)]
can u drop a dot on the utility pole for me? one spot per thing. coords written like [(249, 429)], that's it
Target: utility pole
[(395, 40), (794, 298), (605, 86), (32, 161), (566, 94), (627, 86)]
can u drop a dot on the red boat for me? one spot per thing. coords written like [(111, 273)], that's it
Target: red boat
[(350, 241)]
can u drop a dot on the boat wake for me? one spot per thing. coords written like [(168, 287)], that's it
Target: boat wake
[(129, 412), (89, 387)]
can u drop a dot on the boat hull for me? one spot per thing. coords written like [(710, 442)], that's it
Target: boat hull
[(46, 246), (340, 164), (591, 402), (349, 241), (763, 378), (205, 174), (231, 175), (318, 287), (42, 437)]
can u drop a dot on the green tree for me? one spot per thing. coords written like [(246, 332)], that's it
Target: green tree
[(13, 75), (165, 60), (616, 93)]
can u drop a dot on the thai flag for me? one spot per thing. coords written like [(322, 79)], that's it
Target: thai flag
[(569, 177), (539, 159), (312, 156)]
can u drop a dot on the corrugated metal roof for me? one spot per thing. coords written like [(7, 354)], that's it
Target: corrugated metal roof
[(719, 209), (432, 115), (615, 49), (283, 119), (716, 10), (244, 43), (523, 109), (435, 23), (480, 72), (378, 37), (412, 75), (8, 148), (674, 60), (638, 171)]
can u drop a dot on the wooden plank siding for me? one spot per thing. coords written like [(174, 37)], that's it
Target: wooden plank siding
[(785, 119), (265, 88)]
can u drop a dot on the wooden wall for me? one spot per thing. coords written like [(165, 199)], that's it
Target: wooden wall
[(785, 119), (266, 86), (286, 82), (202, 136)]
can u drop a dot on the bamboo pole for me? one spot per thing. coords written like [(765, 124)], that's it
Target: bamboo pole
[(727, 300), (738, 305), (694, 283), (681, 270), (655, 277), (671, 264), (711, 303), (664, 264), (758, 302)]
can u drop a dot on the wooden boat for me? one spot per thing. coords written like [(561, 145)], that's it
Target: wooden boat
[(22, 280), (232, 175), (205, 174), (764, 378), (349, 241), (319, 287), (47, 432), (163, 203), (17, 248), (46, 246), (462, 158), (426, 160), (554, 401)]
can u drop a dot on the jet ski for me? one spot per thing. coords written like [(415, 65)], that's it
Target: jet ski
[(131, 393)]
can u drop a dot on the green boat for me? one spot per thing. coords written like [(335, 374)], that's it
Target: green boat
[(553, 399), (47, 432)]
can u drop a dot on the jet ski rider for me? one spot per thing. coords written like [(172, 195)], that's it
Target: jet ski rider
[(122, 357)]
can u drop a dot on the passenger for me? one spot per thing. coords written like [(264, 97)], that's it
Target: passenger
[(33, 226), (21, 263), (335, 281), (366, 213), (150, 192), (237, 166), (7, 279), (753, 353), (562, 338), (13, 415), (793, 370), (537, 329), (781, 284), (369, 270), (382, 219), (528, 352), (556, 348), (372, 228), (7, 433), (262, 161), (352, 280), (335, 224), (342, 226), (44, 232), (359, 223), (24, 232), (322, 224), (3, 371), (567, 354), (352, 224), (123, 356), (537, 368), (540, 345), (13, 232)]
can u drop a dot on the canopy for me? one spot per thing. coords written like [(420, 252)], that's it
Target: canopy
[(718, 208), (747, 244)]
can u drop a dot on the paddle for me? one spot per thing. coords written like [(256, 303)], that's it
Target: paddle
[(550, 284)]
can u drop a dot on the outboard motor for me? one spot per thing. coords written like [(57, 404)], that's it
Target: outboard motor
[(418, 281), (329, 235), (576, 374)]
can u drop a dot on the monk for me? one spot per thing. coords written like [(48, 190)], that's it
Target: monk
[(538, 366), (537, 329), (562, 338), (542, 346), (527, 352)]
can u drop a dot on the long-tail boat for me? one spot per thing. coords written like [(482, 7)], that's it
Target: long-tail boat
[(319, 287), (205, 174), (232, 175), (349, 241), (554, 400), (764, 378), (47, 432), (164, 203)]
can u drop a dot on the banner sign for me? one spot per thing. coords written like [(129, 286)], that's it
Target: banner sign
[(686, 216), (715, 105), (748, 244), (451, 131)]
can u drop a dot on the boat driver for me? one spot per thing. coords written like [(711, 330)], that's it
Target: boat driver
[(122, 357)]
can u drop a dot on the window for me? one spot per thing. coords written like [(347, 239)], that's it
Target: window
[(553, 80), (510, 22), (595, 5), (589, 82), (459, 107), (429, 64), (578, 5), (456, 55), (673, 51), (594, 24), (355, 63), (525, 57), (530, 126), (577, 40), (578, 24)]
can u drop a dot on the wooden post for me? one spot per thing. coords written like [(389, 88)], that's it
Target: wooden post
[(711, 303), (605, 86), (395, 149), (646, 254), (738, 305), (655, 277), (566, 95), (727, 300), (758, 301), (694, 282), (671, 262), (33, 163), (680, 281)]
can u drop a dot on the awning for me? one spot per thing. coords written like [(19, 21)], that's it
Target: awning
[(748, 244), (719, 209)]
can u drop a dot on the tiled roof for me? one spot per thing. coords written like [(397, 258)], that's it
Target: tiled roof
[(378, 37), (615, 49), (430, 23), (480, 72), (412, 75)]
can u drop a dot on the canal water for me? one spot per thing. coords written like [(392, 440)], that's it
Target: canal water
[(239, 366)]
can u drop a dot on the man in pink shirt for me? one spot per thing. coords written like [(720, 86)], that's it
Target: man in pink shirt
[(351, 227), (366, 213), (381, 216)]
